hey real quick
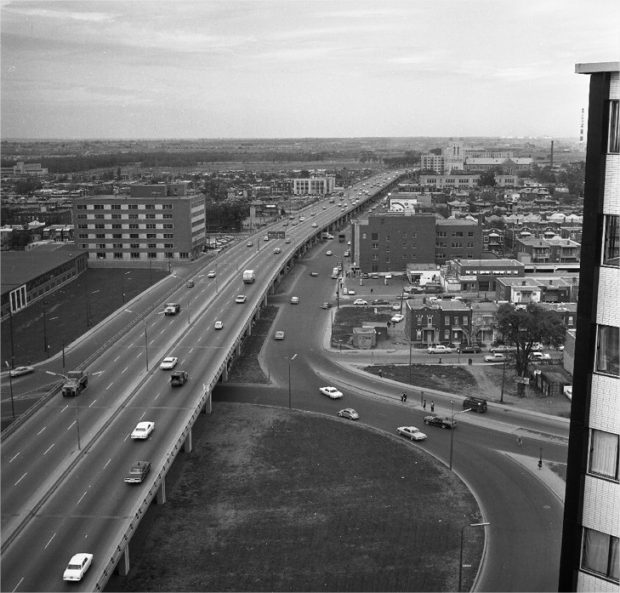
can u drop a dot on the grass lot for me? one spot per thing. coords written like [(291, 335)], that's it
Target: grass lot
[(303, 503)]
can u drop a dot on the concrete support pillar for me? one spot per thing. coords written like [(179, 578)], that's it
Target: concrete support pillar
[(249, 333), (123, 566), (161, 493), (238, 349), (225, 374), (207, 408), (187, 445)]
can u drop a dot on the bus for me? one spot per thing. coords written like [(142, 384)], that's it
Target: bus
[(341, 237)]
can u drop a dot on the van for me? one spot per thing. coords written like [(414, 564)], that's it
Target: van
[(475, 404)]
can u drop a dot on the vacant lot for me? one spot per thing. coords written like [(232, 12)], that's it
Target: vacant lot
[(273, 500)]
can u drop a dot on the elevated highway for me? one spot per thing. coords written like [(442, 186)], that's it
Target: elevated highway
[(62, 468)]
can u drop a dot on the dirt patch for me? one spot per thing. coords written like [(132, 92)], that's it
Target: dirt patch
[(273, 500)]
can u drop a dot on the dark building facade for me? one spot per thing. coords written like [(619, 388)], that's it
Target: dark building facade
[(388, 242)]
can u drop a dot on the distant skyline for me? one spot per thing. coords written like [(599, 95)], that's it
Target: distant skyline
[(299, 68)]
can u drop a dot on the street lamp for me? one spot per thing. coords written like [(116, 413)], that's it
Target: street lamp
[(461, 554), (452, 429), (289, 379), (146, 347), (11, 389)]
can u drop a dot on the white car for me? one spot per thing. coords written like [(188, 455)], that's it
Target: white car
[(168, 363), (19, 371), (279, 335), (495, 357), (143, 430), (397, 318), (360, 302), (77, 567), (277, 250), (314, 225), (411, 432), (331, 392), (219, 325), (396, 307), (440, 349), (349, 413), (211, 274), (241, 298), (294, 300), (540, 355), (329, 252)]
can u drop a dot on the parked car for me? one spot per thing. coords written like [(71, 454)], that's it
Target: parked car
[(277, 250), (440, 349), (349, 413), (411, 432), (294, 300), (279, 335), (326, 305), (397, 318), (473, 349), (190, 284), (143, 430), (19, 371), (360, 302), (502, 348), (475, 404), (537, 356), (441, 421), (495, 357), (211, 274), (314, 274), (380, 302), (77, 567), (331, 392), (168, 363), (329, 252)]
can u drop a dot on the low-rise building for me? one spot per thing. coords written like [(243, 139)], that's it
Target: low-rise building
[(437, 321)]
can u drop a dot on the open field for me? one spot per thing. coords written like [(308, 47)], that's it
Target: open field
[(273, 500)]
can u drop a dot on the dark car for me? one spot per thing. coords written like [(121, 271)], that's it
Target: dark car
[(380, 302), (441, 421), (473, 349), (178, 378)]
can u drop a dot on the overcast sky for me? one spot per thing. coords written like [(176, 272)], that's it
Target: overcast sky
[(299, 68)]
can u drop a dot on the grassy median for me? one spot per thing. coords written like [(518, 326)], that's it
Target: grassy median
[(273, 500)]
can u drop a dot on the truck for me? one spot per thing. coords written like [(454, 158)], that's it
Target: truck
[(139, 470), (76, 382), (341, 237), (171, 308), (178, 378), (249, 276), (336, 272)]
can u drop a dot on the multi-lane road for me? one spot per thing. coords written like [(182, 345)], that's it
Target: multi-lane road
[(62, 472)]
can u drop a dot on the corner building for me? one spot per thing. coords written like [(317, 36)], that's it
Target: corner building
[(590, 559)]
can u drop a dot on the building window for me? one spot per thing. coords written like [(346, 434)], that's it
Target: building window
[(613, 130), (604, 454), (600, 554), (607, 353), (611, 242)]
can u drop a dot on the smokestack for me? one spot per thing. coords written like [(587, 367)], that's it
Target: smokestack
[(551, 154)]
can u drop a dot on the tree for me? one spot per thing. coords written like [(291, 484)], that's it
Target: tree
[(524, 327)]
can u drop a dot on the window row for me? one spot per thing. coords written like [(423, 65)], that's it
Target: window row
[(124, 207), (599, 554), (608, 350)]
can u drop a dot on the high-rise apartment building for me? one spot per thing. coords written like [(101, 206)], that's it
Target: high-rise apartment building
[(590, 558), (155, 223)]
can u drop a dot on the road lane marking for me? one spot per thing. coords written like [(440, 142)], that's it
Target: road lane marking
[(109, 386), (117, 357), (63, 409), (71, 425), (81, 497), (38, 433), (18, 584), (18, 481), (92, 403), (49, 448), (14, 456), (49, 541), (107, 463), (124, 370)]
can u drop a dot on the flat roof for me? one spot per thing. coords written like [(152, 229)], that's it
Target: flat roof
[(596, 67), (19, 267)]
